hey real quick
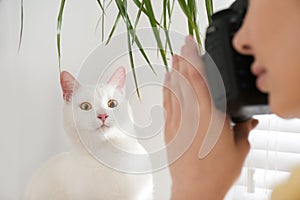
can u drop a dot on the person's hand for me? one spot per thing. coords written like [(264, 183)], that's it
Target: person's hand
[(189, 111)]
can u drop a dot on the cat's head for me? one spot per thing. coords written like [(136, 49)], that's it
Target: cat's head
[(93, 108)]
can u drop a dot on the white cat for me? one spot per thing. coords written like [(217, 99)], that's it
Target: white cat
[(90, 115)]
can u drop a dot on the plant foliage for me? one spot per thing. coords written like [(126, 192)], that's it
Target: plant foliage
[(189, 8)]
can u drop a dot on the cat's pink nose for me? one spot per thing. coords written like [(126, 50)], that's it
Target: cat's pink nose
[(103, 117)]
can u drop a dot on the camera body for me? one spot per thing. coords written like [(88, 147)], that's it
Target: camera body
[(242, 98)]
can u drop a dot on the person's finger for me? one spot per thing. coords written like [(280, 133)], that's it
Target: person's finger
[(241, 133), (190, 50), (176, 107), (195, 71), (199, 85), (176, 92), (190, 46), (183, 68), (175, 64), (188, 98), (175, 98), (167, 94), (167, 103)]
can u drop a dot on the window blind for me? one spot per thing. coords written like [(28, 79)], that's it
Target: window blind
[(275, 151)]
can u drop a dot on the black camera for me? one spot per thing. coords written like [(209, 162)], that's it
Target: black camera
[(237, 94)]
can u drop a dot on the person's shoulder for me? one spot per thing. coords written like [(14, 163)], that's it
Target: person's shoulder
[(289, 189)]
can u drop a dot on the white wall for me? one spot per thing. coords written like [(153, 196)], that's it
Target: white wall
[(31, 120)]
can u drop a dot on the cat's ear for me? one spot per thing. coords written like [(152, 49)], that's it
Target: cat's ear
[(118, 78), (68, 84)]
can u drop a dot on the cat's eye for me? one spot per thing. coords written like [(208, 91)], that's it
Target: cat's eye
[(112, 103), (85, 106)]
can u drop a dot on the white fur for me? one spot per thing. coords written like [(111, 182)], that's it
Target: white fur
[(78, 175)]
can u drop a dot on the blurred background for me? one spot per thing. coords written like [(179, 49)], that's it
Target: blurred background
[(31, 99)]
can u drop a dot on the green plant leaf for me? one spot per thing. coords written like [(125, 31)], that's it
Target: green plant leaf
[(165, 3), (128, 23), (132, 65), (138, 15), (137, 20), (100, 19), (113, 28), (191, 21), (191, 8), (185, 9), (103, 22), (122, 10), (138, 4), (59, 24), (141, 49), (168, 42), (167, 13), (156, 32), (170, 12), (138, 43), (101, 6), (171, 8), (129, 28), (209, 9), (22, 25), (98, 22)]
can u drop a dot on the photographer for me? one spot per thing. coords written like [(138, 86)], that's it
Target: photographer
[(270, 32)]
